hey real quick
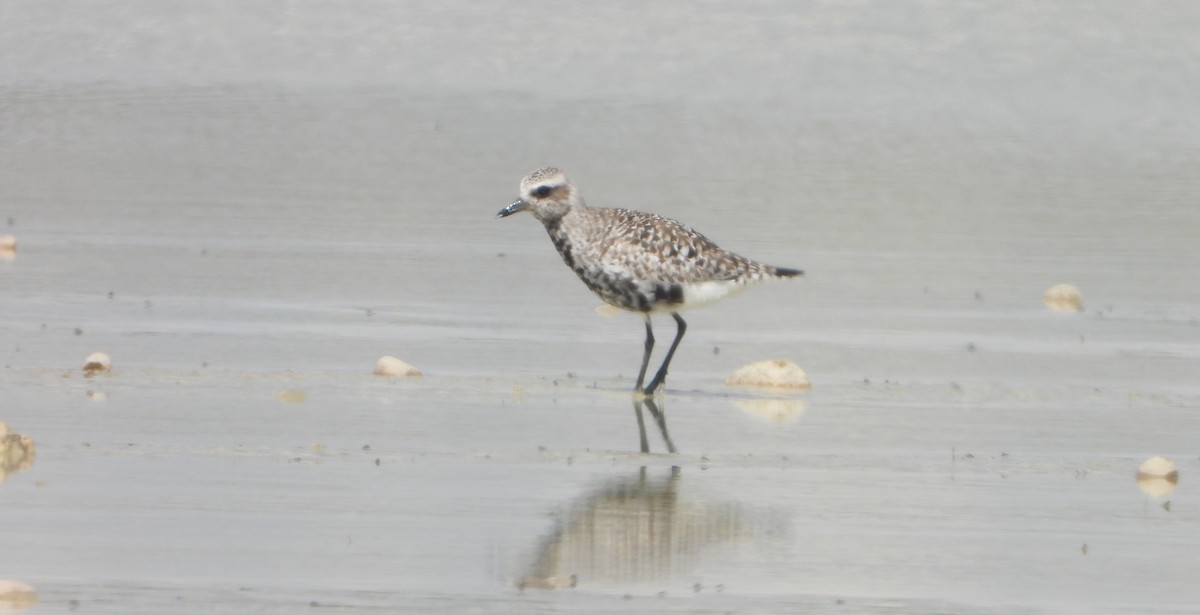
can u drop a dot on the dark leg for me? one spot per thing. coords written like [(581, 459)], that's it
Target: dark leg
[(637, 409), (662, 371), (660, 417), (646, 356)]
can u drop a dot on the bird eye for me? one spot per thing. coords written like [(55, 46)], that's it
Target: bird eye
[(542, 192)]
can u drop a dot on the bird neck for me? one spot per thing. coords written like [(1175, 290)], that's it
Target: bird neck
[(549, 214)]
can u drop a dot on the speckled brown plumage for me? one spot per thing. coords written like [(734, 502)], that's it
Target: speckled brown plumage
[(634, 260)]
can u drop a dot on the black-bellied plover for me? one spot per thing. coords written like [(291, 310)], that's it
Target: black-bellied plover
[(637, 261)]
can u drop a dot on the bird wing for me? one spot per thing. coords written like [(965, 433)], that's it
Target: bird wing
[(656, 249)]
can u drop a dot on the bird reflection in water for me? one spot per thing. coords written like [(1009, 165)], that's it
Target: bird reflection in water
[(633, 531), (660, 419)]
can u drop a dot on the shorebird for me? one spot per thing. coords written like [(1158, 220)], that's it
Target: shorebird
[(637, 261)]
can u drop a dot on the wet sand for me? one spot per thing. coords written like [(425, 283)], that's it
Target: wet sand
[(245, 243)]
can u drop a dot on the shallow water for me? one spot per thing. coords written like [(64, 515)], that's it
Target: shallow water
[(245, 238)]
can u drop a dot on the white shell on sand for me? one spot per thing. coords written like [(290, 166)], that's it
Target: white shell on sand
[(16, 596), (1157, 476), (771, 373), (16, 453), (391, 366), (1158, 466), (1063, 298), (97, 362)]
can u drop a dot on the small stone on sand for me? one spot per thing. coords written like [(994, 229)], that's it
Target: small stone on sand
[(8, 243), (1063, 298), (97, 362), (772, 373), (391, 366)]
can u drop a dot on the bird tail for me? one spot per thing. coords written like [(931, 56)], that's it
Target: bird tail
[(784, 272)]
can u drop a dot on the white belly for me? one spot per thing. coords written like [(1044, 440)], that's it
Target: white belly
[(704, 293)]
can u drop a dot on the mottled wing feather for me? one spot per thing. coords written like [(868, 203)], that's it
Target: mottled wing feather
[(656, 249)]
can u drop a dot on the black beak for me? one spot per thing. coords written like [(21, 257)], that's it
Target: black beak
[(514, 207)]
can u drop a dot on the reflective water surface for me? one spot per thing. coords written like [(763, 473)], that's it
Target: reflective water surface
[(245, 205)]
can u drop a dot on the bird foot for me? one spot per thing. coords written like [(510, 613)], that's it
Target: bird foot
[(647, 393)]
